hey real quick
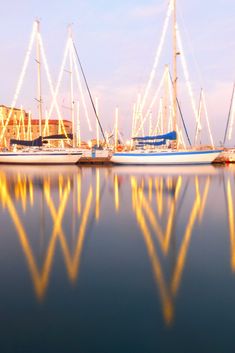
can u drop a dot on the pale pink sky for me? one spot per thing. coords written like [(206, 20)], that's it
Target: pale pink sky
[(117, 42)]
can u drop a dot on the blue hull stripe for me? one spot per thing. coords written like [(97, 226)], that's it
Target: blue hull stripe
[(164, 154)]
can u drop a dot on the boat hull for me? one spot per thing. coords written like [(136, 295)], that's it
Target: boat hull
[(165, 157), (39, 157)]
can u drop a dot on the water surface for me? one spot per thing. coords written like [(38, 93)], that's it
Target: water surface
[(117, 259)]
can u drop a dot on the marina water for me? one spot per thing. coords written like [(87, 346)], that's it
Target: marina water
[(117, 259)]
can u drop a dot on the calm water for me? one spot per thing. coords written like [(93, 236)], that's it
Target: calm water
[(117, 259)]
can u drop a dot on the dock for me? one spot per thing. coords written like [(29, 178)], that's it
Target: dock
[(96, 157)]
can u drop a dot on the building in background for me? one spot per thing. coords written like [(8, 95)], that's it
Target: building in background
[(22, 126)]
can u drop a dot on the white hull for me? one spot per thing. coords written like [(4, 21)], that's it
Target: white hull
[(165, 157), (40, 157)]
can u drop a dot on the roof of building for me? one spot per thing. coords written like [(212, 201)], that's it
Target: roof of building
[(36, 122)]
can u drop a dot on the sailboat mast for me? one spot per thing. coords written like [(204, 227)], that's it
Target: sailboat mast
[(116, 129), (229, 115), (165, 100), (174, 70), (39, 98), (71, 85)]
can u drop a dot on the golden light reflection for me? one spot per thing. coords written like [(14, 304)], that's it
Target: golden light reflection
[(79, 190), (177, 274), (168, 310), (159, 194), (150, 223), (150, 185), (204, 198), (162, 236), (116, 193), (31, 195), (231, 224), (97, 199), (72, 262), (40, 279), (23, 192), (156, 202)]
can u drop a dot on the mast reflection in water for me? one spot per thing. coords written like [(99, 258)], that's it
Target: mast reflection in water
[(117, 259)]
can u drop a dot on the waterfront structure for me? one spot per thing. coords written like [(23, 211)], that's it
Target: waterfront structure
[(23, 126)]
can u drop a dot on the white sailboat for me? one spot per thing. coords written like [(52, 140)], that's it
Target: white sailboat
[(173, 155), (38, 154), (165, 157)]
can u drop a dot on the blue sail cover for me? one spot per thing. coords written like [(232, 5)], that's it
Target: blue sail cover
[(38, 142), (151, 143), (34, 143), (169, 136)]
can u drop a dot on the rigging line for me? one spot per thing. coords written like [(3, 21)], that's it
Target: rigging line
[(80, 87), (207, 119), (152, 103), (186, 74), (229, 115), (59, 80), (232, 121), (51, 86), (199, 118), (89, 92), (190, 44), (181, 115), (20, 81), (158, 126), (182, 118), (91, 223), (157, 55), (181, 137), (133, 119)]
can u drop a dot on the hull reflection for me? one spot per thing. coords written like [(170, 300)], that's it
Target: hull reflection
[(163, 170)]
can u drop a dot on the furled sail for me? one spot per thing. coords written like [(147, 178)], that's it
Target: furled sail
[(38, 142), (169, 136), (34, 143), (58, 137)]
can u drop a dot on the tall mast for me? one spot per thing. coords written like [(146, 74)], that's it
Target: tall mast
[(97, 124), (71, 85), (174, 70), (229, 115), (78, 137), (39, 97), (165, 100), (116, 129)]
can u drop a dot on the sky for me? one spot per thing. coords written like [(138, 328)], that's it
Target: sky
[(117, 42)]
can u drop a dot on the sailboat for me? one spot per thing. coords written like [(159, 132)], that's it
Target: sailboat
[(34, 151), (146, 153), (165, 157)]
